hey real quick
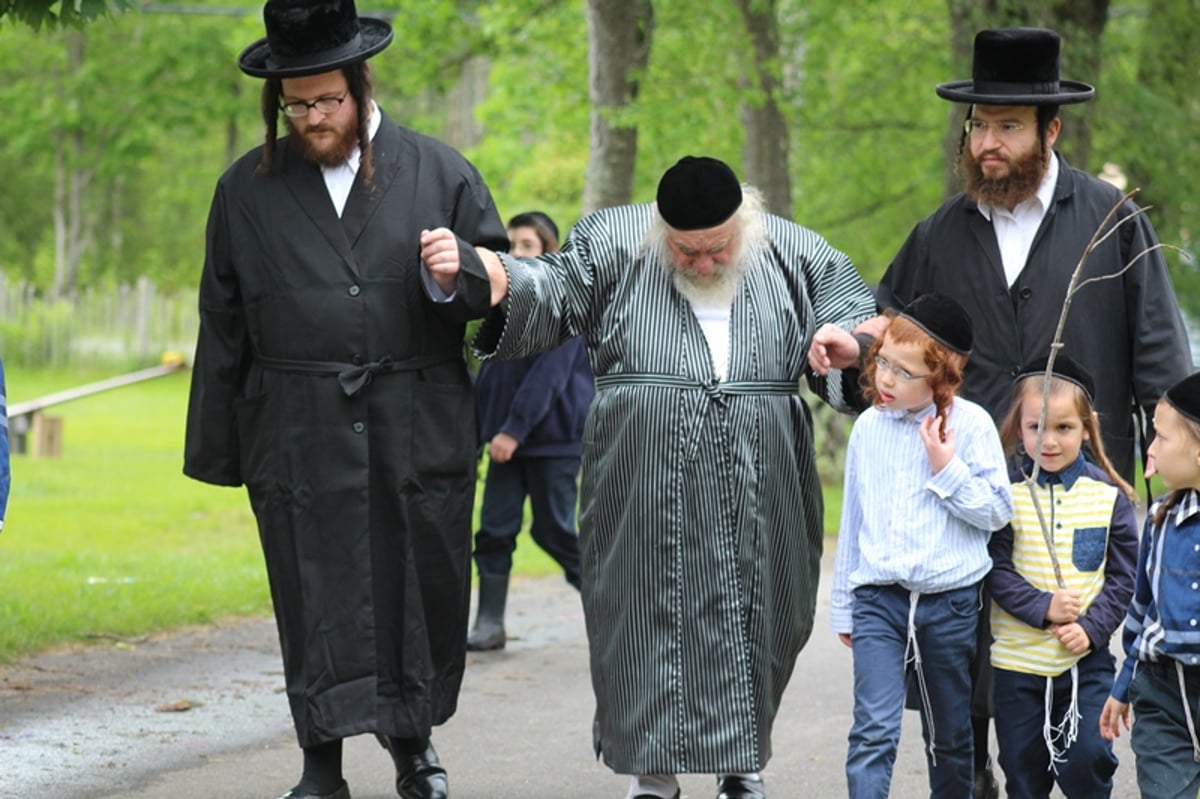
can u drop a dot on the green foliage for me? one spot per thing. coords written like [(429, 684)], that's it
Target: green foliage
[(49, 14), (157, 108)]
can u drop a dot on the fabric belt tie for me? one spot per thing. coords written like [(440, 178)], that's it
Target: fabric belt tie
[(717, 391), (354, 377)]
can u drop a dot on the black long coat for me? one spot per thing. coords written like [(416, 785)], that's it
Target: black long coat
[(328, 383), (1127, 332)]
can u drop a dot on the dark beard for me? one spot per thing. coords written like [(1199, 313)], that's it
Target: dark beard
[(1006, 192), (330, 158)]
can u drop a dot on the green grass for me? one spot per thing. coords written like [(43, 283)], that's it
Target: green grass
[(111, 539)]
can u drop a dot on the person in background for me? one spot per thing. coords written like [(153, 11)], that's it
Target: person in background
[(700, 524), (1160, 678), (1051, 665), (1006, 247), (530, 414), (925, 487), (5, 474), (330, 385)]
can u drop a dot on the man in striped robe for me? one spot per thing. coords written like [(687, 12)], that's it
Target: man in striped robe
[(700, 507)]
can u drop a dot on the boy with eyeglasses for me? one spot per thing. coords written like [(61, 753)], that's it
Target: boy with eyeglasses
[(925, 485)]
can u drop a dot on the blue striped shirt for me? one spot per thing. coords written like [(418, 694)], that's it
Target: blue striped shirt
[(1164, 617), (902, 524)]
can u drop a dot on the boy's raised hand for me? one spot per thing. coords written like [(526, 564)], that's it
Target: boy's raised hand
[(939, 447)]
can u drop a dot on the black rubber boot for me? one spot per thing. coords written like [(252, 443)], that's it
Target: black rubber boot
[(488, 632)]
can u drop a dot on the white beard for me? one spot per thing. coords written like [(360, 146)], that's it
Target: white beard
[(719, 289)]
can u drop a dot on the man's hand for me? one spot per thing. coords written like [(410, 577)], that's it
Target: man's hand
[(502, 447), (832, 348), (439, 251), (846, 638), (874, 327), (1064, 607)]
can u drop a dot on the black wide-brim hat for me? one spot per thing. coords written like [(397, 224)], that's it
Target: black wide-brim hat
[(308, 38), (1016, 66)]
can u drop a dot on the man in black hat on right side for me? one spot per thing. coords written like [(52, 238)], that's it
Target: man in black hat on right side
[(1006, 247)]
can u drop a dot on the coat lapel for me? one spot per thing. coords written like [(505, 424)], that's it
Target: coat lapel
[(362, 203), (985, 234), (306, 184)]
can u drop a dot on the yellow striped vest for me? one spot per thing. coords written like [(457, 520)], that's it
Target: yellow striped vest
[(1079, 520)]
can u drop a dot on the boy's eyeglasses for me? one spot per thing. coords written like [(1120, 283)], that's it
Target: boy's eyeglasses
[(903, 374)]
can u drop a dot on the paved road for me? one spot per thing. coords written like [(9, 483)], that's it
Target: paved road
[(107, 721)]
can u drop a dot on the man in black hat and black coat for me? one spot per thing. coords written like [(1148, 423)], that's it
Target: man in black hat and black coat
[(1006, 247), (330, 385), (700, 524)]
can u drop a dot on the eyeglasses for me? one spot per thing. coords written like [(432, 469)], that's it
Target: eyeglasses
[(324, 105), (1003, 130), (903, 374)]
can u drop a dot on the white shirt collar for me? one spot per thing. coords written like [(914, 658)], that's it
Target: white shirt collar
[(339, 179)]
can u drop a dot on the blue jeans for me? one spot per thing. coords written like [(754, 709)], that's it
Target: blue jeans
[(1160, 740), (945, 632), (1020, 703), (550, 484)]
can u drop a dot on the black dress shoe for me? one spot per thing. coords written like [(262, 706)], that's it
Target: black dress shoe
[(342, 792), (653, 796), (419, 775), (735, 786)]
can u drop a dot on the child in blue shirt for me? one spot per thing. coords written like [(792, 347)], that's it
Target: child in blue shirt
[(1160, 678), (5, 477), (926, 484), (1053, 614)]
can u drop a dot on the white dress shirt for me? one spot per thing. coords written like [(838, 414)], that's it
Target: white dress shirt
[(1015, 229)]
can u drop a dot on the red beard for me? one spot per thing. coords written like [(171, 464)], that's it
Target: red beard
[(1017, 186), (331, 155)]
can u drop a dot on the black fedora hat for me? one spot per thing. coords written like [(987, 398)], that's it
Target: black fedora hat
[(1016, 66), (308, 38)]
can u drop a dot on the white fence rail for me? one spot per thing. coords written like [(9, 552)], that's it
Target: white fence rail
[(126, 324)]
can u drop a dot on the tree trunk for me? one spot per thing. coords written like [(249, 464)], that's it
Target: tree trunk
[(619, 36), (765, 152), (70, 183)]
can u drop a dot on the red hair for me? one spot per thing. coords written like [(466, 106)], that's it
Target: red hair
[(944, 364)]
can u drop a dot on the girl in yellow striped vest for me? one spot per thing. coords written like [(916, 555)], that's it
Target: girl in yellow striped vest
[(1060, 592)]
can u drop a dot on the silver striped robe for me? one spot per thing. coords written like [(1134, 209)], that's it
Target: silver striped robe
[(700, 520)]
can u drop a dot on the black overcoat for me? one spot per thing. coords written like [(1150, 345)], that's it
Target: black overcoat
[(328, 383), (1127, 332)]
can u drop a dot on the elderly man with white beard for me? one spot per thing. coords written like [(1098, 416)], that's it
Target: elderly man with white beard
[(700, 508)]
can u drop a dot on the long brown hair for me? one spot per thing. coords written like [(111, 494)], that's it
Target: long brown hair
[(1174, 498), (358, 80), (944, 364), (1034, 386)]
